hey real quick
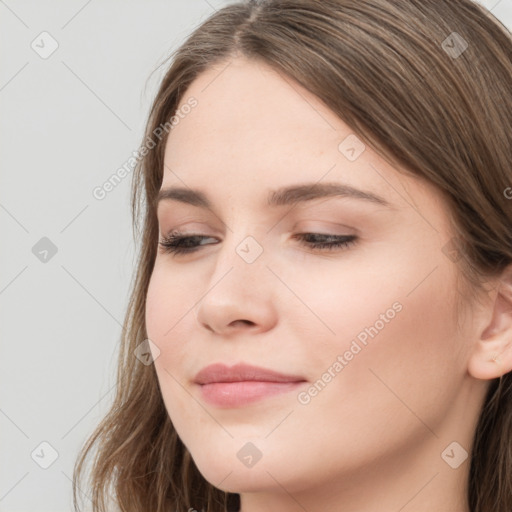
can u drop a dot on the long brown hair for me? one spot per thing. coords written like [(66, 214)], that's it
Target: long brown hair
[(426, 83)]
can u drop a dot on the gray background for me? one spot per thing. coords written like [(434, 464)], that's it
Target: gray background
[(68, 122)]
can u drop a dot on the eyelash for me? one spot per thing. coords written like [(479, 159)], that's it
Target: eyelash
[(173, 243)]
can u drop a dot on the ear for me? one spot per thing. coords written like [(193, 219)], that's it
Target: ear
[(491, 356)]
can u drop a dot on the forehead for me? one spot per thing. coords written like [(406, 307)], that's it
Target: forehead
[(255, 129), (247, 109)]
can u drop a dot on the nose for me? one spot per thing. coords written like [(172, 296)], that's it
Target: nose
[(238, 295)]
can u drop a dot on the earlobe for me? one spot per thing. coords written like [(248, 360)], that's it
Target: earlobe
[(491, 356), (487, 364)]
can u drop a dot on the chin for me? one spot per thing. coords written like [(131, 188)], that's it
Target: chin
[(223, 468), (242, 481)]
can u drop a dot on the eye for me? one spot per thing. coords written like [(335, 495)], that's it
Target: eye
[(327, 242), (179, 243)]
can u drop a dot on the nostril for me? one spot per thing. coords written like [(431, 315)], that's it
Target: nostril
[(245, 322)]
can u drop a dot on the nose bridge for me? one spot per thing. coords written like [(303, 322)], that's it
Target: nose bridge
[(242, 255), (236, 287), (245, 235)]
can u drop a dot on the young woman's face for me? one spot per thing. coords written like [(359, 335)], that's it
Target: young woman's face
[(367, 330)]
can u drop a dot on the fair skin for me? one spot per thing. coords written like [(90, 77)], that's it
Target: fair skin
[(372, 438)]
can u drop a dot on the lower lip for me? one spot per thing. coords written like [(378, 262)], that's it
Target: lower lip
[(236, 394)]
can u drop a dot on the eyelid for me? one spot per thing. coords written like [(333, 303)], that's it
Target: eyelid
[(319, 226), (187, 226)]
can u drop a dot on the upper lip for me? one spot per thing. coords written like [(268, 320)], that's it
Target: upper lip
[(241, 372)]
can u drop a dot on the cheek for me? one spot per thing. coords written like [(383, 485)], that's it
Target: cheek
[(157, 304), (166, 303), (167, 320), (167, 324), (412, 359), (409, 368), (333, 304), (398, 324)]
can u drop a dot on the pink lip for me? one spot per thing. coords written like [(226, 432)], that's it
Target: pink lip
[(242, 384)]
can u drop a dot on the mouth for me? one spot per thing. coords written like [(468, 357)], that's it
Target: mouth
[(243, 384)]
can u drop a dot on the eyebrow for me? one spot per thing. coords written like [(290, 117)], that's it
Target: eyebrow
[(279, 197)]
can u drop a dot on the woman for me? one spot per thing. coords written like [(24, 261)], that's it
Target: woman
[(322, 312)]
